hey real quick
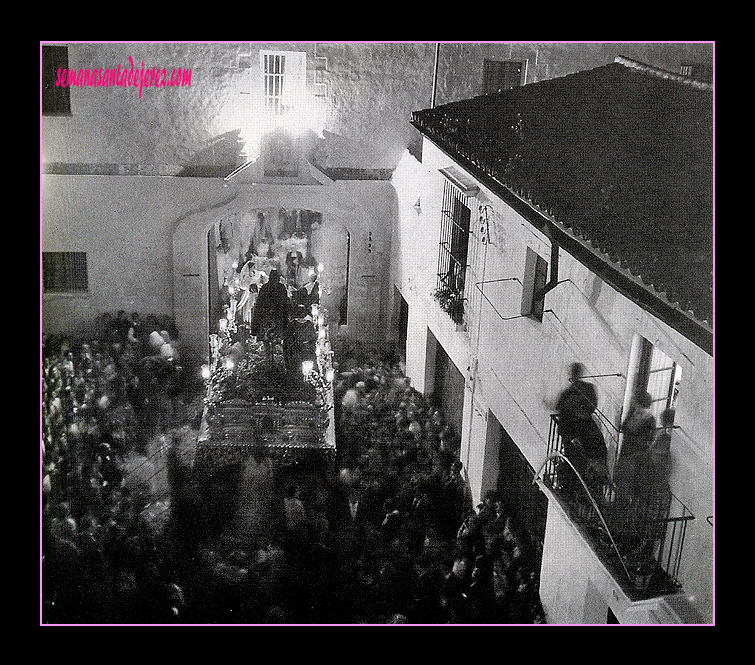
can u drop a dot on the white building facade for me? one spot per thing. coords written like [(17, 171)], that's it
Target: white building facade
[(514, 363)]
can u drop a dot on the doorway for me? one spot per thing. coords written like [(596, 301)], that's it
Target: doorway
[(652, 371), (448, 385), (402, 324), (528, 505)]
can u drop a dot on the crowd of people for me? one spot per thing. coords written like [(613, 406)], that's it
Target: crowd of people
[(105, 397), (420, 547), (389, 534)]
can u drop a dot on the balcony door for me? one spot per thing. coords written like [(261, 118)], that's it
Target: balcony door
[(652, 371)]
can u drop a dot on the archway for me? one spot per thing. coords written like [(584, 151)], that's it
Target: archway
[(243, 247)]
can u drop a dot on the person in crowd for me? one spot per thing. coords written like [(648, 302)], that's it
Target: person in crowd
[(250, 281), (454, 592), (309, 294), (294, 267), (135, 334)]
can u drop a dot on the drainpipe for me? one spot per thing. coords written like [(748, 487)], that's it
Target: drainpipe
[(435, 76)]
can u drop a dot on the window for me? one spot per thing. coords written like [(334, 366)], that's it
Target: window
[(498, 75), (284, 78), (64, 272), (452, 259), (56, 100), (697, 72), (535, 278)]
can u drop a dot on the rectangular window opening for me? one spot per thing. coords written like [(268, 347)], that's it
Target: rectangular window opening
[(284, 80), (452, 259), (535, 279), (500, 75), (56, 100), (64, 272)]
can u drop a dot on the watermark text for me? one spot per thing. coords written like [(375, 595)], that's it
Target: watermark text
[(123, 77)]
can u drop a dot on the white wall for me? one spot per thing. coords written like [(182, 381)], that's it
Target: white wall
[(146, 245)]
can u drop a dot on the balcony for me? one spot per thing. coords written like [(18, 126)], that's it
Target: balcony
[(639, 541)]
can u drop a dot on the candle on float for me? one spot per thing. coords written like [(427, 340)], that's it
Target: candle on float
[(205, 371), (330, 375), (320, 267), (228, 363), (315, 311), (307, 367)]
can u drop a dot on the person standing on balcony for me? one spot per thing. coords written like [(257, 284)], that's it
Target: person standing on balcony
[(639, 434), (630, 508), (584, 445), (652, 492)]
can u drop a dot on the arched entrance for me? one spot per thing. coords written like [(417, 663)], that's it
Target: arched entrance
[(243, 247)]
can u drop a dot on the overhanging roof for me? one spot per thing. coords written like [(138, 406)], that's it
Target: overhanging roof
[(620, 159)]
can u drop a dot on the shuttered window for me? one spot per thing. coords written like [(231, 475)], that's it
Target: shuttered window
[(64, 272), (56, 100), (535, 279), (498, 75)]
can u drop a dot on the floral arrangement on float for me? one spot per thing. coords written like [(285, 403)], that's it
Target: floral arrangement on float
[(259, 374)]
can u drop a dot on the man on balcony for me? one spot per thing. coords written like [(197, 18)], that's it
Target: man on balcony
[(584, 445)]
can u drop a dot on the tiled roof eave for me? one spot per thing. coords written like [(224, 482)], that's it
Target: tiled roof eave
[(611, 271)]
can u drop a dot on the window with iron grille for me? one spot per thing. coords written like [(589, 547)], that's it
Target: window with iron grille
[(697, 72), (284, 76), (64, 272), (452, 258), (498, 75)]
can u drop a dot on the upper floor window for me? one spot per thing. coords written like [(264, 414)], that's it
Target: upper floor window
[(452, 257), (535, 278), (284, 79), (498, 75), (64, 272), (697, 72), (56, 100)]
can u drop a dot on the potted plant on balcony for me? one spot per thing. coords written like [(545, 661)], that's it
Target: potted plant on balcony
[(451, 302)]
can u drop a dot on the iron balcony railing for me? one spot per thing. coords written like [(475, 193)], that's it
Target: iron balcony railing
[(640, 538)]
